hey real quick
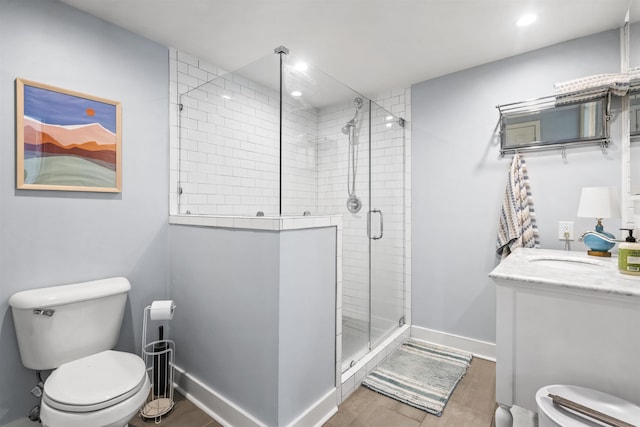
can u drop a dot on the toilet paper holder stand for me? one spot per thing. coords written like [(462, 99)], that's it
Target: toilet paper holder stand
[(159, 356)]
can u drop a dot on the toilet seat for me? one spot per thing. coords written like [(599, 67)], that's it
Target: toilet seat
[(552, 415), (95, 382)]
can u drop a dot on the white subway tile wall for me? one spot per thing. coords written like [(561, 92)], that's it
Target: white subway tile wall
[(228, 164), (334, 180), (385, 193), (229, 156), (299, 158)]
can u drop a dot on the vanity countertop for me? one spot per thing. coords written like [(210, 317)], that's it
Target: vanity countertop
[(568, 269)]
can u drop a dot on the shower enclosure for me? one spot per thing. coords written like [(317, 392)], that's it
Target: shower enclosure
[(279, 137)]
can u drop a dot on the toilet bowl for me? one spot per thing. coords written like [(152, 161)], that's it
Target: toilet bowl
[(72, 330), (551, 415), (105, 389)]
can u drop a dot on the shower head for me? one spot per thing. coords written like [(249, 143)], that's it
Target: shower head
[(348, 126), (358, 103)]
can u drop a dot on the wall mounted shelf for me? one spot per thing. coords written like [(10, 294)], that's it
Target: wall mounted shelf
[(556, 122)]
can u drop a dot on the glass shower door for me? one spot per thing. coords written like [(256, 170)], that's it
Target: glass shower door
[(343, 154), (386, 228), (353, 190), (373, 238)]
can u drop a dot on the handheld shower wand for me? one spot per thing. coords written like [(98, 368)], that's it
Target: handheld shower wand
[(354, 204), (346, 129)]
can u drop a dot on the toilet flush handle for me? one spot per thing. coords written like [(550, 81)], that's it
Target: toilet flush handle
[(44, 311)]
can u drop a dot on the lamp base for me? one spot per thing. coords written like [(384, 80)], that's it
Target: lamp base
[(596, 245), (599, 253)]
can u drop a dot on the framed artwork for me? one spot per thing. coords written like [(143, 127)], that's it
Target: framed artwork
[(66, 140)]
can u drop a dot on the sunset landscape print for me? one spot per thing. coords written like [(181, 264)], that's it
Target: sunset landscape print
[(66, 140)]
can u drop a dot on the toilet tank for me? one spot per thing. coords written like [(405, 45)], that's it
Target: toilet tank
[(58, 324)]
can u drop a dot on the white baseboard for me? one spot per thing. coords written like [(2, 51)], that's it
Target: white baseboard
[(229, 414), (212, 403), (318, 413), (481, 349)]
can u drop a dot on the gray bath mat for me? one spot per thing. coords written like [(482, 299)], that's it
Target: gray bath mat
[(420, 374)]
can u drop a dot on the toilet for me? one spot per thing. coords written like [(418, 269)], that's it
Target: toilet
[(72, 329), (551, 415)]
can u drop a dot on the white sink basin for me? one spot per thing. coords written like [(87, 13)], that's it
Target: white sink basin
[(569, 263)]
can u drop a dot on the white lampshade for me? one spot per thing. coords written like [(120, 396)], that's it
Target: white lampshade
[(599, 202)]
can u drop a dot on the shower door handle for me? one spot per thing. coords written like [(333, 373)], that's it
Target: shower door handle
[(369, 224)]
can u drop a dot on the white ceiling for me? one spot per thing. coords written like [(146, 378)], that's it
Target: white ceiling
[(370, 45)]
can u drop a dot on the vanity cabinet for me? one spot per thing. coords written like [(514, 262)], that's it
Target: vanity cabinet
[(564, 318)]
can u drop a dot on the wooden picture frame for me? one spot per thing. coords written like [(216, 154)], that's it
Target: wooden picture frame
[(67, 140)]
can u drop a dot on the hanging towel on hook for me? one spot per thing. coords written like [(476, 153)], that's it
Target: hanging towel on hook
[(517, 226)]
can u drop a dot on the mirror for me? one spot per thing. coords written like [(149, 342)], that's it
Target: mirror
[(634, 130), (634, 62), (545, 124), (634, 112), (634, 34), (634, 99)]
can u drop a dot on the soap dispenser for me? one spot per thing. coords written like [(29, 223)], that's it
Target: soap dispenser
[(629, 255)]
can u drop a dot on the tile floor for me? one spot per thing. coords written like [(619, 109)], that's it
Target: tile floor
[(183, 414), (472, 404)]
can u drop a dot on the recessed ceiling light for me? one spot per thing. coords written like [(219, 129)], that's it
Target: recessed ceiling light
[(296, 93), (301, 66), (527, 19), (389, 125), (388, 118)]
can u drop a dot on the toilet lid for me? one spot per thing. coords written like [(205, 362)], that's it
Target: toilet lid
[(95, 382), (602, 402)]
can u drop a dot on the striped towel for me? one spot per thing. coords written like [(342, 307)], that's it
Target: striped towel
[(617, 82), (517, 226), (591, 87)]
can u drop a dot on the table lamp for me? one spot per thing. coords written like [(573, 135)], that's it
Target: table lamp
[(598, 203)]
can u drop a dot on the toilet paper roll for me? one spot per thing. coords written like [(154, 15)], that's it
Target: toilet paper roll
[(162, 310)]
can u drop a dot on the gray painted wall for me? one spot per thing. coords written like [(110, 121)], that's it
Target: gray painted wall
[(307, 319), (255, 317), (458, 179), (49, 238), (225, 285)]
